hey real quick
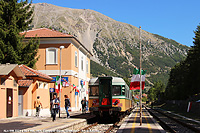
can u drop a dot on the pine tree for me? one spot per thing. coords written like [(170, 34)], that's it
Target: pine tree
[(15, 17), (185, 76), (193, 59)]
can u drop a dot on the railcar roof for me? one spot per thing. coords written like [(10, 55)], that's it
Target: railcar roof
[(95, 81)]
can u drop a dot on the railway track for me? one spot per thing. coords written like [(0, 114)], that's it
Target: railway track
[(174, 123), (103, 128)]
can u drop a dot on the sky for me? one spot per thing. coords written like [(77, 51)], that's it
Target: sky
[(173, 19)]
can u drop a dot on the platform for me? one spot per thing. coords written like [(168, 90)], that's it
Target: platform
[(44, 124), (132, 123)]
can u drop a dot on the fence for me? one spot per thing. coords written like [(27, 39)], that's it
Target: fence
[(183, 105)]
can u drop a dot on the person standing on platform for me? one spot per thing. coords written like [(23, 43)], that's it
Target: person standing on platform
[(37, 105), (83, 102), (54, 107), (86, 105), (57, 111), (67, 105)]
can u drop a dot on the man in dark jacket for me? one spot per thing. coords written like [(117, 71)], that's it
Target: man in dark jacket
[(83, 102), (67, 105)]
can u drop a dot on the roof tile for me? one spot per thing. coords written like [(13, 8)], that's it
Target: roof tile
[(25, 82), (27, 71), (44, 32)]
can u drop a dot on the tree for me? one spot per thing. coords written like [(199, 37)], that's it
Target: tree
[(176, 87), (156, 91), (193, 59), (184, 76), (15, 17)]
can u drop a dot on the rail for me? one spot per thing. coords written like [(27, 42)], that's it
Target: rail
[(176, 120)]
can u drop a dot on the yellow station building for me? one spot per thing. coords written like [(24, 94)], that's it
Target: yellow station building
[(59, 52)]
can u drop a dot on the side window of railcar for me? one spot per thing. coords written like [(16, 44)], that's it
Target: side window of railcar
[(123, 90), (94, 90), (116, 90), (126, 92)]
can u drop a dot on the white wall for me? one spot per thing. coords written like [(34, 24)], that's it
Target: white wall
[(82, 76)]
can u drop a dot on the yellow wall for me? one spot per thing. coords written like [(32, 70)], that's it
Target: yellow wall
[(68, 57), (44, 97), (3, 95), (73, 49), (68, 63), (69, 91), (3, 101), (30, 95)]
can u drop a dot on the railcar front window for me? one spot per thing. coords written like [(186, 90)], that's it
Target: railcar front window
[(116, 90), (105, 88), (94, 90)]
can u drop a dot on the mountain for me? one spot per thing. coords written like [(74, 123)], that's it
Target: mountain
[(115, 45)]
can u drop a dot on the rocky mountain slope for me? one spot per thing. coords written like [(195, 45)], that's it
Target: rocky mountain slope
[(114, 44)]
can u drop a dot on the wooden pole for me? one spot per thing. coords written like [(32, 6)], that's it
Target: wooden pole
[(140, 78)]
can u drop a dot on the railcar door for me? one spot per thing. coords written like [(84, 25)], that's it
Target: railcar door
[(105, 91)]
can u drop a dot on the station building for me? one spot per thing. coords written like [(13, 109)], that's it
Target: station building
[(63, 54), (34, 84), (19, 88), (10, 74)]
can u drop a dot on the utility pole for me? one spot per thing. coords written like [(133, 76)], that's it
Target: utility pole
[(61, 47), (140, 78)]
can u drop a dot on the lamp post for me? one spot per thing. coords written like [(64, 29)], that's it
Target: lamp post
[(61, 47), (140, 77)]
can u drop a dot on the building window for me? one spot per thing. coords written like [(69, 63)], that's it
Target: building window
[(41, 85), (3, 81), (51, 56), (87, 66), (76, 59), (82, 63), (45, 85), (15, 83)]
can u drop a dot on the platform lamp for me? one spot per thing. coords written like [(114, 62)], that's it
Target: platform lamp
[(61, 47)]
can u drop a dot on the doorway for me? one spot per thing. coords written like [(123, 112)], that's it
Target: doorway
[(9, 102), (105, 91), (20, 103)]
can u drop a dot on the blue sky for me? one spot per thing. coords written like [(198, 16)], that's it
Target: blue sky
[(174, 19)]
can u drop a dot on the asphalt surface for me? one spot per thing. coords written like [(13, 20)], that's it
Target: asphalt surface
[(42, 124)]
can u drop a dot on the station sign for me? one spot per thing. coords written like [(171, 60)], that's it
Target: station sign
[(51, 90), (62, 79)]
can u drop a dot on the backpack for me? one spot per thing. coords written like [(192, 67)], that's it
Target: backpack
[(83, 102), (37, 103), (67, 102)]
